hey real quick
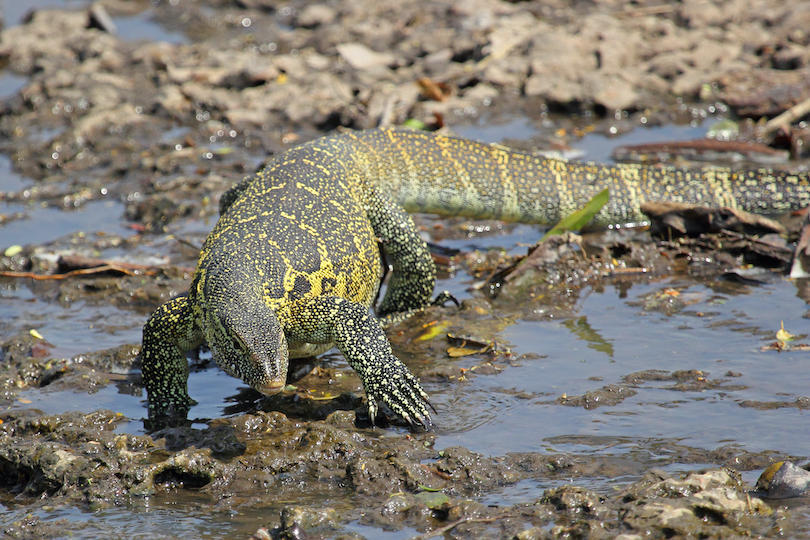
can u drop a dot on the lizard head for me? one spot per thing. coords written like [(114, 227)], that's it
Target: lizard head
[(249, 345)]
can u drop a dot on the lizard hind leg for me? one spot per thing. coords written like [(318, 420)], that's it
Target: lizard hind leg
[(411, 284)]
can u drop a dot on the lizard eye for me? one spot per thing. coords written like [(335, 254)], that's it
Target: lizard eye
[(237, 344)]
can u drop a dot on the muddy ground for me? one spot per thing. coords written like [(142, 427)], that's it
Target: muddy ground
[(166, 128)]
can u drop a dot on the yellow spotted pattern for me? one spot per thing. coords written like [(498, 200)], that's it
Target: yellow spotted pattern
[(293, 265)]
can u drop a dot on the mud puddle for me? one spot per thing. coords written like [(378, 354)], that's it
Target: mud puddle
[(731, 401), (139, 25), (180, 517), (719, 333)]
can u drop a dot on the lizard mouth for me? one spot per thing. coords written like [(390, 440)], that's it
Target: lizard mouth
[(270, 388)]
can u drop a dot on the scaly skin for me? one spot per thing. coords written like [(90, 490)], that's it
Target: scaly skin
[(293, 265)]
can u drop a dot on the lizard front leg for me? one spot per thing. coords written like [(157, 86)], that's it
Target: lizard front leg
[(167, 335), (359, 336)]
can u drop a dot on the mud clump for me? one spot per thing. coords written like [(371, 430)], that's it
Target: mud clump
[(27, 363), (78, 458)]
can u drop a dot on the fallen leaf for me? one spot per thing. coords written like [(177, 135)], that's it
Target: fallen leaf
[(432, 330), (12, 250), (458, 352), (783, 335)]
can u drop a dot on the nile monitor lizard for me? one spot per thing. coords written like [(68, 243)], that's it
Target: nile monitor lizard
[(293, 265)]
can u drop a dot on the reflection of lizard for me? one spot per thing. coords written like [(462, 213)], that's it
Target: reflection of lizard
[(293, 265)]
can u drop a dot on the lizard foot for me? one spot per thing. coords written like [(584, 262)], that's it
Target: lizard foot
[(169, 412), (443, 297), (399, 389)]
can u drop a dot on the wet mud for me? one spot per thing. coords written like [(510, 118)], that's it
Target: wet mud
[(147, 134)]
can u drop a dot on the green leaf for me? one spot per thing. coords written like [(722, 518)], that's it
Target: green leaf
[(434, 501), (581, 217), (413, 123)]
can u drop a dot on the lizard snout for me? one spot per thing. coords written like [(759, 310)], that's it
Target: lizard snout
[(270, 388)]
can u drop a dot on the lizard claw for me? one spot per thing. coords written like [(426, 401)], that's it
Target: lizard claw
[(443, 297), (402, 393)]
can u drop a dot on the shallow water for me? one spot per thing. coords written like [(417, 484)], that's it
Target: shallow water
[(138, 27), (721, 330), (728, 339), (150, 519)]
